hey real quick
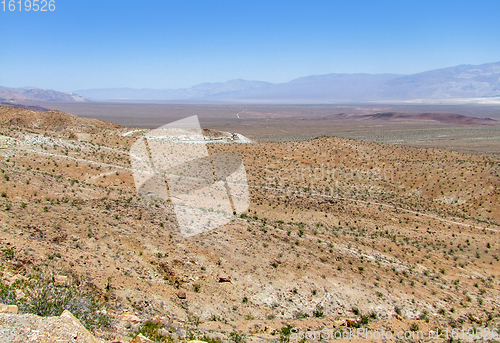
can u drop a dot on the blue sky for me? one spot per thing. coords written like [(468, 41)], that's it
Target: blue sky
[(173, 44)]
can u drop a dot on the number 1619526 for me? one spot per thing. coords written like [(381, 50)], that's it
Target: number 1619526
[(29, 5)]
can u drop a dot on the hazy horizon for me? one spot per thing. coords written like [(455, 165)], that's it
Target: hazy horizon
[(166, 45)]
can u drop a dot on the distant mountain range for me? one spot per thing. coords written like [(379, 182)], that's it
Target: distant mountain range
[(464, 81), (18, 95)]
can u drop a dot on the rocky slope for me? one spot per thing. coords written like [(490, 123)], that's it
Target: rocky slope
[(339, 234)]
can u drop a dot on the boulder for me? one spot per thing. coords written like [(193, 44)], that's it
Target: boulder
[(19, 294), (12, 309), (129, 317), (17, 328), (60, 280)]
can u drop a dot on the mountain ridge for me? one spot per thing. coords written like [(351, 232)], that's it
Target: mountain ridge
[(15, 95), (461, 81)]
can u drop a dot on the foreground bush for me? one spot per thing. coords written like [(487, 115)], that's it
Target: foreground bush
[(45, 299)]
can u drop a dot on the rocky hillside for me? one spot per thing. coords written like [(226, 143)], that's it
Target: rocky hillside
[(49, 120), (340, 234), (17, 95)]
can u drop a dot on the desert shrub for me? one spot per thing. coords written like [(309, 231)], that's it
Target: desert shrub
[(364, 320), (151, 330), (300, 315), (319, 312), (424, 316), (207, 339), (7, 295), (8, 253), (237, 336), (398, 310), (285, 333), (44, 299)]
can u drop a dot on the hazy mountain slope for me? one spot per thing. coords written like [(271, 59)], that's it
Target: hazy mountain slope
[(464, 81), (200, 91), (36, 94), (315, 87), (343, 87), (460, 81), (221, 88), (127, 94)]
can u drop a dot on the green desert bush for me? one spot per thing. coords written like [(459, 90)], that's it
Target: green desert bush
[(237, 337), (152, 331), (45, 299)]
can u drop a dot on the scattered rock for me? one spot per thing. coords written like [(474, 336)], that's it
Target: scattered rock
[(19, 294), (224, 279), (12, 309), (11, 279), (129, 317), (60, 280), (352, 322), (23, 328), (181, 295)]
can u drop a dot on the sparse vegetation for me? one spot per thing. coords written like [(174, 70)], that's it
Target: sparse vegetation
[(152, 331), (45, 299), (331, 219)]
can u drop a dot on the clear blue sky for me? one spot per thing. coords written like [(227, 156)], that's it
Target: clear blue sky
[(173, 44)]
